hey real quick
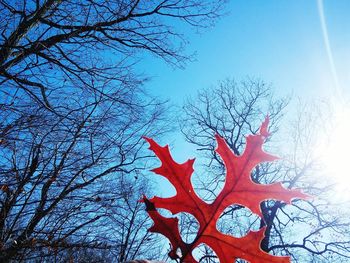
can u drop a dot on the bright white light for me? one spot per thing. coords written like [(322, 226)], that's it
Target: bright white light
[(333, 150)]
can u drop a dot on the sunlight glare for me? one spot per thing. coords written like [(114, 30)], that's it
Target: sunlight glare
[(333, 152)]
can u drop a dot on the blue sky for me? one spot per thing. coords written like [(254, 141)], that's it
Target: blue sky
[(280, 42)]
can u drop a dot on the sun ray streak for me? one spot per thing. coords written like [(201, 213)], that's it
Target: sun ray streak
[(337, 89)]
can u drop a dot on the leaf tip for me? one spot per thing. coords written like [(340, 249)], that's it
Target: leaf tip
[(264, 127), (149, 205), (300, 195), (149, 140), (220, 141)]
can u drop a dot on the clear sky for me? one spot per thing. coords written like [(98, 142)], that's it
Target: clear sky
[(280, 42)]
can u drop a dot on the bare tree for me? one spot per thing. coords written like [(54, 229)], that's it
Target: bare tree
[(49, 46), (70, 182), (306, 230)]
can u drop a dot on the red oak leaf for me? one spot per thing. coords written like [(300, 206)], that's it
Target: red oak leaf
[(238, 189)]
